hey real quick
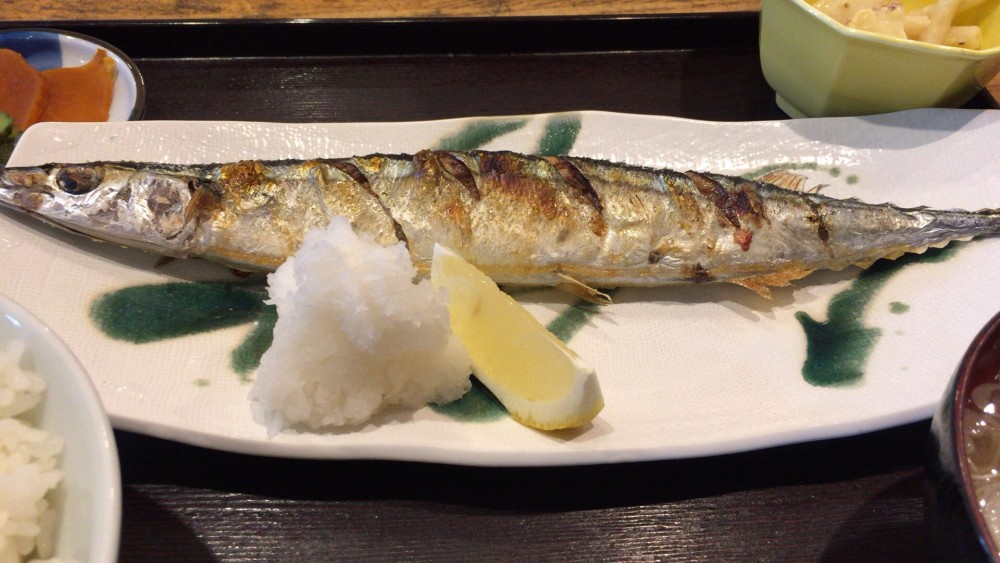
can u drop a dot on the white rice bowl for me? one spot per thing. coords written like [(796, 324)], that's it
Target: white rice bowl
[(355, 335), (59, 477), (28, 464)]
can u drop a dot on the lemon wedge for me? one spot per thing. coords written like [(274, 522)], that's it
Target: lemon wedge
[(542, 383)]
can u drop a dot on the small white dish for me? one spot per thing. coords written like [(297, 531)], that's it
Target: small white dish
[(51, 48), (88, 500)]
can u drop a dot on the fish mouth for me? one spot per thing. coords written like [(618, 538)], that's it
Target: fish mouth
[(24, 189), (124, 239)]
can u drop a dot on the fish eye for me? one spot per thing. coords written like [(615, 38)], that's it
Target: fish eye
[(78, 179)]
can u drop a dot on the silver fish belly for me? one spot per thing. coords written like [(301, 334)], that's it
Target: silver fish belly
[(521, 219)]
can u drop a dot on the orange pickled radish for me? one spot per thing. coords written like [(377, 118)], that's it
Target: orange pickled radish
[(23, 90), (81, 93)]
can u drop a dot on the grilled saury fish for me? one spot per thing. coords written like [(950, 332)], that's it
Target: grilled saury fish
[(521, 219)]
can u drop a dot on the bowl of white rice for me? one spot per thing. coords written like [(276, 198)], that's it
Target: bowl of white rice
[(60, 485)]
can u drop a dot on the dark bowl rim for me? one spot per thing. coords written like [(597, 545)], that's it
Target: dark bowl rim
[(988, 335), (139, 108)]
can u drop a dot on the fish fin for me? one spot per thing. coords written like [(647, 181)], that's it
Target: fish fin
[(785, 179), (790, 181), (761, 285), (894, 253), (755, 285), (583, 291)]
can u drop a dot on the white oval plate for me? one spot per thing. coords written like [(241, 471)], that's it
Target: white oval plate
[(88, 499), (686, 371)]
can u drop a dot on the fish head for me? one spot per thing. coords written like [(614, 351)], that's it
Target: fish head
[(157, 209)]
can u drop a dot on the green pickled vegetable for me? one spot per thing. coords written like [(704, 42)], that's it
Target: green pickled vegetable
[(8, 137)]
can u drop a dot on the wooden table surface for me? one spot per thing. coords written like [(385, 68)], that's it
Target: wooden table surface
[(351, 9), (152, 10), (858, 498)]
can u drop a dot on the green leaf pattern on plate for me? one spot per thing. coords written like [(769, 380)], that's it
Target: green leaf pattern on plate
[(836, 351)]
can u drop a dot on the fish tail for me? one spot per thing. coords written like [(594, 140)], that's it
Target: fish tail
[(956, 225)]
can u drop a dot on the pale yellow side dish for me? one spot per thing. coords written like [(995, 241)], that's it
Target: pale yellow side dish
[(935, 23)]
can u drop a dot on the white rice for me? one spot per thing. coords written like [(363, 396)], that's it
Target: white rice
[(28, 464), (354, 336)]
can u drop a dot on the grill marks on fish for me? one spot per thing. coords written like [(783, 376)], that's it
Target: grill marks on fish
[(817, 220), (566, 221), (458, 170), (553, 185), (522, 180), (718, 195), (575, 179), (735, 207), (204, 202), (354, 173)]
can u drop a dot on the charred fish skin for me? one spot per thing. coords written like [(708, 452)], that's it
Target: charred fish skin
[(521, 219)]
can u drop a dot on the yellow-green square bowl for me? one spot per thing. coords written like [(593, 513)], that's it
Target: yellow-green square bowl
[(819, 67)]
